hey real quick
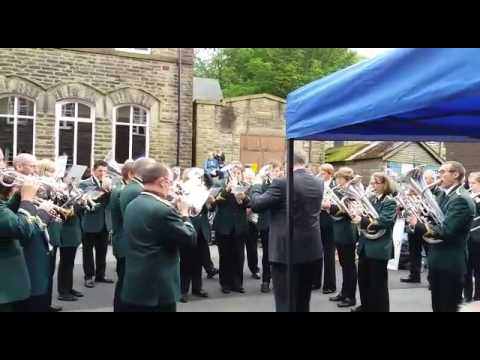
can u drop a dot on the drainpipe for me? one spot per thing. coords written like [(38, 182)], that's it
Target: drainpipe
[(179, 67)]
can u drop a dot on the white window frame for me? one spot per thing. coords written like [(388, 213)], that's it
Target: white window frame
[(131, 125), (75, 120), (135, 51), (16, 117)]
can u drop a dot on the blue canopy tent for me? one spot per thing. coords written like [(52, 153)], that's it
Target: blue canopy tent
[(401, 95)]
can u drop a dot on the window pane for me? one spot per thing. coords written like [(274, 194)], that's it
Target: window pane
[(138, 147), (6, 139), (65, 141), (6, 105), (139, 116), (123, 114), (122, 143), (68, 110), (24, 136), (25, 107), (83, 111), (84, 143)]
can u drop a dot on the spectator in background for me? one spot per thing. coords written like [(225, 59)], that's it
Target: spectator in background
[(2, 160)]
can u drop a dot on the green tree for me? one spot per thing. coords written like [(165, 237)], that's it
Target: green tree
[(277, 71)]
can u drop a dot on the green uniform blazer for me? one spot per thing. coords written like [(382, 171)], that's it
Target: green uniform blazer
[(117, 220), (382, 248), (450, 255), (95, 221), (231, 218), (129, 193), (14, 279), (156, 231), (201, 223), (71, 235), (475, 230), (54, 233), (344, 232), (37, 257)]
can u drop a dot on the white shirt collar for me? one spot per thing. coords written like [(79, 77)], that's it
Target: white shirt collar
[(450, 189)]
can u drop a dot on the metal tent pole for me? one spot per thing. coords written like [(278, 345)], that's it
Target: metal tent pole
[(290, 194)]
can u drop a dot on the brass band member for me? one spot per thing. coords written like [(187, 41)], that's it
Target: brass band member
[(156, 230), (15, 226), (326, 226), (346, 235), (231, 228), (94, 225), (473, 263), (251, 242), (37, 248), (117, 230), (130, 192), (447, 259), (375, 254), (46, 168), (415, 236)]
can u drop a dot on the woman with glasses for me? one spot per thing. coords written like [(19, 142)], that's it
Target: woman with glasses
[(375, 254)]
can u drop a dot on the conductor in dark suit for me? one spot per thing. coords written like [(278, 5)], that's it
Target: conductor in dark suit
[(308, 252)]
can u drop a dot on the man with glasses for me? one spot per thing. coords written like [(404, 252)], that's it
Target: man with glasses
[(447, 259)]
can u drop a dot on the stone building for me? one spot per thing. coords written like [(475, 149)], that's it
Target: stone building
[(250, 129), (86, 102), (397, 157)]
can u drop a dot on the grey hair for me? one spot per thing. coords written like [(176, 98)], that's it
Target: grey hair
[(23, 158), (141, 165)]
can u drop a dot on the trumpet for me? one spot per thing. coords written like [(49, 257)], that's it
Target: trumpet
[(192, 189), (59, 213), (12, 178)]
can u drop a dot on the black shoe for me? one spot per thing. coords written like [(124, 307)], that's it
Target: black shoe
[(339, 297), (413, 280), (239, 290), (105, 281), (328, 291), (347, 303), (66, 297), (76, 293), (54, 308), (226, 290), (184, 299), (212, 273), (200, 293), (357, 309), (89, 283), (315, 287), (265, 288), (256, 276)]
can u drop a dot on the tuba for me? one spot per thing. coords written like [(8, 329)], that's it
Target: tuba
[(359, 199), (426, 203)]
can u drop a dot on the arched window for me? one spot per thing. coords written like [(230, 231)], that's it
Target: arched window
[(17, 126), (75, 132), (130, 133)]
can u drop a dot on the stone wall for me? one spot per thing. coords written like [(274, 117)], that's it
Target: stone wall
[(104, 78)]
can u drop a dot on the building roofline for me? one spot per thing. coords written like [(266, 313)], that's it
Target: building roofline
[(256, 96)]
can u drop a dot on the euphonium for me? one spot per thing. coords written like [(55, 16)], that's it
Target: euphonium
[(357, 194), (433, 214)]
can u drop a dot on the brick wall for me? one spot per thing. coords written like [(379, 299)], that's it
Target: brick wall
[(104, 78)]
